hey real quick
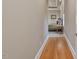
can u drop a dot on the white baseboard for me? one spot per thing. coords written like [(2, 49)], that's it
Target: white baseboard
[(44, 43), (70, 46), (41, 49)]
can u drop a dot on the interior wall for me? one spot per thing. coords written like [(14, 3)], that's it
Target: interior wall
[(23, 28), (52, 3), (70, 22), (53, 12)]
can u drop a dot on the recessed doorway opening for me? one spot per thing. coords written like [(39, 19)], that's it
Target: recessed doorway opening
[(55, 16)]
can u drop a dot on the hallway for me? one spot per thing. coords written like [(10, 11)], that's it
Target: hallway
[(28, 23), (56, 48)]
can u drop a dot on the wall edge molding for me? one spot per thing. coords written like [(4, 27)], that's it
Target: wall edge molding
[(70, 46), (41, 49)]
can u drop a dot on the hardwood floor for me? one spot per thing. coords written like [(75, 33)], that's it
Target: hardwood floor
[(56, 48)]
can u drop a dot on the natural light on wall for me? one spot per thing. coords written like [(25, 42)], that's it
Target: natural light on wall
[(77, 29), (0, 29)]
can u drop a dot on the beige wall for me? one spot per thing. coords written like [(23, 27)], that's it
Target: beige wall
[(53, 12), (23, 28), (52, 3), (70, 22)]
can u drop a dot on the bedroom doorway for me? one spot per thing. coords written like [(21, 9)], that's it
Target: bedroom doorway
[(55, 16)]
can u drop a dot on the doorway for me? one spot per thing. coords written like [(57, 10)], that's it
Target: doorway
[(55, 16)]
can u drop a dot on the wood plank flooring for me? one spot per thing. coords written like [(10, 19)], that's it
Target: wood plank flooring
[(56, 48)]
